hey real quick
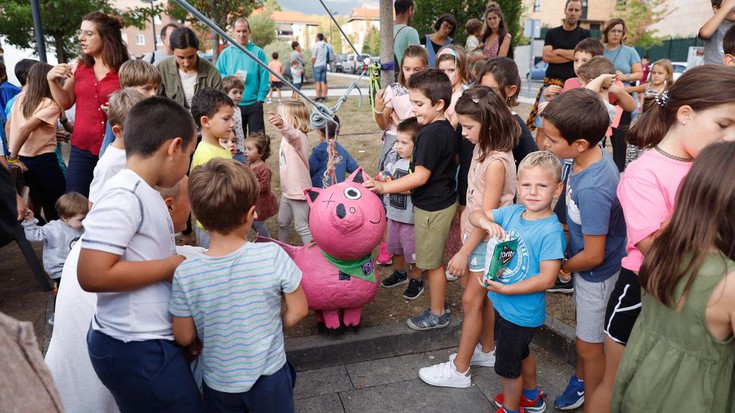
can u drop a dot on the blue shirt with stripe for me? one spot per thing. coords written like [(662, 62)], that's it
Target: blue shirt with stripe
[(235, 301)]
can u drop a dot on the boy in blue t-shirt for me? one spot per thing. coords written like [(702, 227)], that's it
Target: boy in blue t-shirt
[(230, 297), (519, 296), (596, 228), (319, 159)]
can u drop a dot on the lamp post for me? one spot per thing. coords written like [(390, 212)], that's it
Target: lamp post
[(153, 22)]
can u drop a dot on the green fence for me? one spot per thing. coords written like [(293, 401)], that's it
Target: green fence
[(676, 50)]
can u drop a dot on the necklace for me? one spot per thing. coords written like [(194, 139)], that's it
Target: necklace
[(671, 156)]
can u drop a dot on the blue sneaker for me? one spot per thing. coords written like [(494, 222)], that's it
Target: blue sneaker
[(573, 395)]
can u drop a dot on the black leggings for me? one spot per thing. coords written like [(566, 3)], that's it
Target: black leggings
[(45, 180)]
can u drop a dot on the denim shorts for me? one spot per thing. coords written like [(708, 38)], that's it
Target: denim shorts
[(320, 73), (477, 258)]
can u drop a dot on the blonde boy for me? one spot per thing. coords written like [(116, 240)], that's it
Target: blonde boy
[(519, 295)]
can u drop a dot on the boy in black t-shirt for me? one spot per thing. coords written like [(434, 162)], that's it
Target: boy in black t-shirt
[(432, 187)]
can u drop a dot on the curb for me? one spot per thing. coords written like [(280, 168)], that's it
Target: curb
[(372, 343)]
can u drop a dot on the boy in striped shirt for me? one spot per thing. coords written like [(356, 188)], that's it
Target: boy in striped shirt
[(230, 297)]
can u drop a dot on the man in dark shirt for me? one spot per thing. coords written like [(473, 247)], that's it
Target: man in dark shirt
[(559, 45)]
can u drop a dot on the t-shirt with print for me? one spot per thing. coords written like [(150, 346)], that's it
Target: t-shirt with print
[(558, 38), (435, 150), (131, 220), (206, 152), (399, 207), (538, 240), (593, 208), (713, 50), (111, 162), (647, 192), (235, 302)]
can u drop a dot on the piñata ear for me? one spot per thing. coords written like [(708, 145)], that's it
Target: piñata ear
[(312, 194), (358, 176)]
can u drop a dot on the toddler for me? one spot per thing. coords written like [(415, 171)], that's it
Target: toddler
[(234, 88), (297, 74), (257, 151), (343, 162)]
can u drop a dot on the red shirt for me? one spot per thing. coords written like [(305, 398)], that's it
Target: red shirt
[(89, 120)]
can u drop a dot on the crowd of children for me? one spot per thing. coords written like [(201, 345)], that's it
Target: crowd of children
[(461, 164)]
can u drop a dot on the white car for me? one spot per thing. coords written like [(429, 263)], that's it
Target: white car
[(679, 69), (354, 64)]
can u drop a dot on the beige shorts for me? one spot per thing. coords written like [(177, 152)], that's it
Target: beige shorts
[(432, 231)]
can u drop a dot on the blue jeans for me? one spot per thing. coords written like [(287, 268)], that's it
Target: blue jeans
[(80, 172), (45, 180), (144, 376), (272, 394)]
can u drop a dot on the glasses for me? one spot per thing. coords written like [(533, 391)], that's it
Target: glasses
[(86, 33)]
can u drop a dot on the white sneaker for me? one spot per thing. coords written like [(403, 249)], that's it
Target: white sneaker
[(450, 276), (479, 358), (445, 375)]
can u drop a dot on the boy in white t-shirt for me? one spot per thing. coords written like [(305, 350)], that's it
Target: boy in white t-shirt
[(113, 160), (128, 258)]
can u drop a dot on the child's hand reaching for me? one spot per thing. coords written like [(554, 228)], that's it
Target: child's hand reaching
[(551, 92), (493, 229), (275, 120), (27, 215), (373, 185)]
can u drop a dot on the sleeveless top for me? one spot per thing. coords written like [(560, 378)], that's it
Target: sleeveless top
[(672, 363), (491, 50)]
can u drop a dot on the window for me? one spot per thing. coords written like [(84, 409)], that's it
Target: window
[(140, 39), (158, 40), (537, 6), (157, 19), (620, 4)]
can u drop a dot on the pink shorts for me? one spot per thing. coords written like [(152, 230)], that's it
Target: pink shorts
[(401, 240)]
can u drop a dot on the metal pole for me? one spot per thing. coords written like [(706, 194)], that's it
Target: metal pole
[(530, 67), (38, 29), (153, 25)]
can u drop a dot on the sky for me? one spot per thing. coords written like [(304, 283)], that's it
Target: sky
[(309, 7)]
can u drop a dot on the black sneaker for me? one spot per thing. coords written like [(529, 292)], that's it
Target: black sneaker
[(414, 290), (394, 280), (562, 287)]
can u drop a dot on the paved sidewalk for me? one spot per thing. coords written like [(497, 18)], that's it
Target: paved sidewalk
[(393, 385)]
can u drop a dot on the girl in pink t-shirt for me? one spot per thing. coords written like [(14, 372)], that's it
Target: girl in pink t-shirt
[(488, 123), (697, 111), (32, 140), (392, 105)]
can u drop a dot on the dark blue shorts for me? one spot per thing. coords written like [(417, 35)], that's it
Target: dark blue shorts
[(273, 394), (144, 376)]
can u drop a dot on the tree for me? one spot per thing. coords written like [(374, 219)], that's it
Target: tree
[(427, 11), (262, 28), (222, 12), (367, 41), (61, 20), (639, 16)]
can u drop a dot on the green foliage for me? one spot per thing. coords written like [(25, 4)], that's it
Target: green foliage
[(639, 16), (262, 28), (61, 19), (427, 11), (371, 42)]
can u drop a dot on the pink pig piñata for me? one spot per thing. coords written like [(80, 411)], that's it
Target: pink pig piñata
[(347, 222)]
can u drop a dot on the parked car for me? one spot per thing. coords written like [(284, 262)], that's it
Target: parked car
[(538, 71), (338, 63), (679, 69), (354, 63)]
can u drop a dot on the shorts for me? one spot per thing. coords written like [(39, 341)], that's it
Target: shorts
[(401, 240), (623, 307), (591, 299), (272, 393), (477, 258), (512, 346), (297, 86), (320, 74), (276, 85), (432, 231)]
